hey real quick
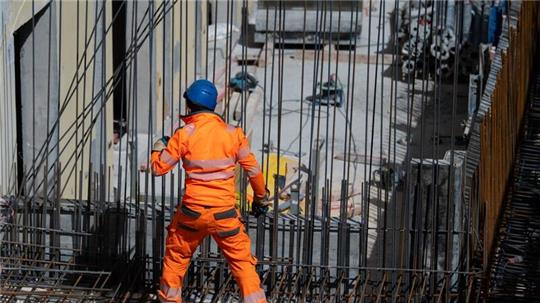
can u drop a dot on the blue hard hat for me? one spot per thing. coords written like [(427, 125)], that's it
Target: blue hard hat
[(203, 93)]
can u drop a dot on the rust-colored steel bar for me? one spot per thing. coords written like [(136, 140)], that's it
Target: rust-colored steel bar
[(500, 122)]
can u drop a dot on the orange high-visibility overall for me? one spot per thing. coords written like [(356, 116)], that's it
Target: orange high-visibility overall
[(209, 149)]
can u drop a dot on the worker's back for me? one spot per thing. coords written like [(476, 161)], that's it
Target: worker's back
[(211, 154), (209, 149)]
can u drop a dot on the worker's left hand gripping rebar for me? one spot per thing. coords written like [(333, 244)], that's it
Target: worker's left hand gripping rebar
[(161, 143), (260, 206)]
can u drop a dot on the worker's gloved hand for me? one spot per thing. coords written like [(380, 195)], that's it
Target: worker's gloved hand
[(259, 208), (260, 205), (161, 143)]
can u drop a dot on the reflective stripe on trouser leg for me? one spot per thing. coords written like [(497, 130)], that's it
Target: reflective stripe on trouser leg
[(180, 246), (170, 294), (255, 297), (237, 250)]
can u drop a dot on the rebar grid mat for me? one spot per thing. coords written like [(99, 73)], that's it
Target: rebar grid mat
[(33, 272), (317, 284)]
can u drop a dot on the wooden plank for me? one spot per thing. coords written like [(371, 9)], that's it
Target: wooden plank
[(363, 159)]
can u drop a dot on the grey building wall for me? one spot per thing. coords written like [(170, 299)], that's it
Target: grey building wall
[(142, 91), (8, 134), (38, 75)]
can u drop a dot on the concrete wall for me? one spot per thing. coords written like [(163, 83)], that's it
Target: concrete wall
[(13, 16), (7, 108), (37, 58)]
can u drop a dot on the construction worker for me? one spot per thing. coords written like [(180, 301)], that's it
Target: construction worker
[(209, 149)]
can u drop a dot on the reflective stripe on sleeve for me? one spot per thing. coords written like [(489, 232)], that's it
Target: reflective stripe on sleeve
[(231, 128), (210, 176), (190, 128), (252, 172), (256, 297), (167, 158), (243, 153)]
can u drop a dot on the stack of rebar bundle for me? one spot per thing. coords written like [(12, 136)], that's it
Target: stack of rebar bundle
[(430, 40)]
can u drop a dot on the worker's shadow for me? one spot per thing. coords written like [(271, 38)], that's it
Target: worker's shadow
[(109, 248)]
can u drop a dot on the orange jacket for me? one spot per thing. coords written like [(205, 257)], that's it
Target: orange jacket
[(209, 149)]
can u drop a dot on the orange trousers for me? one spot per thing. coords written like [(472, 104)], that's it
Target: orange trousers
[(189, 226)]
